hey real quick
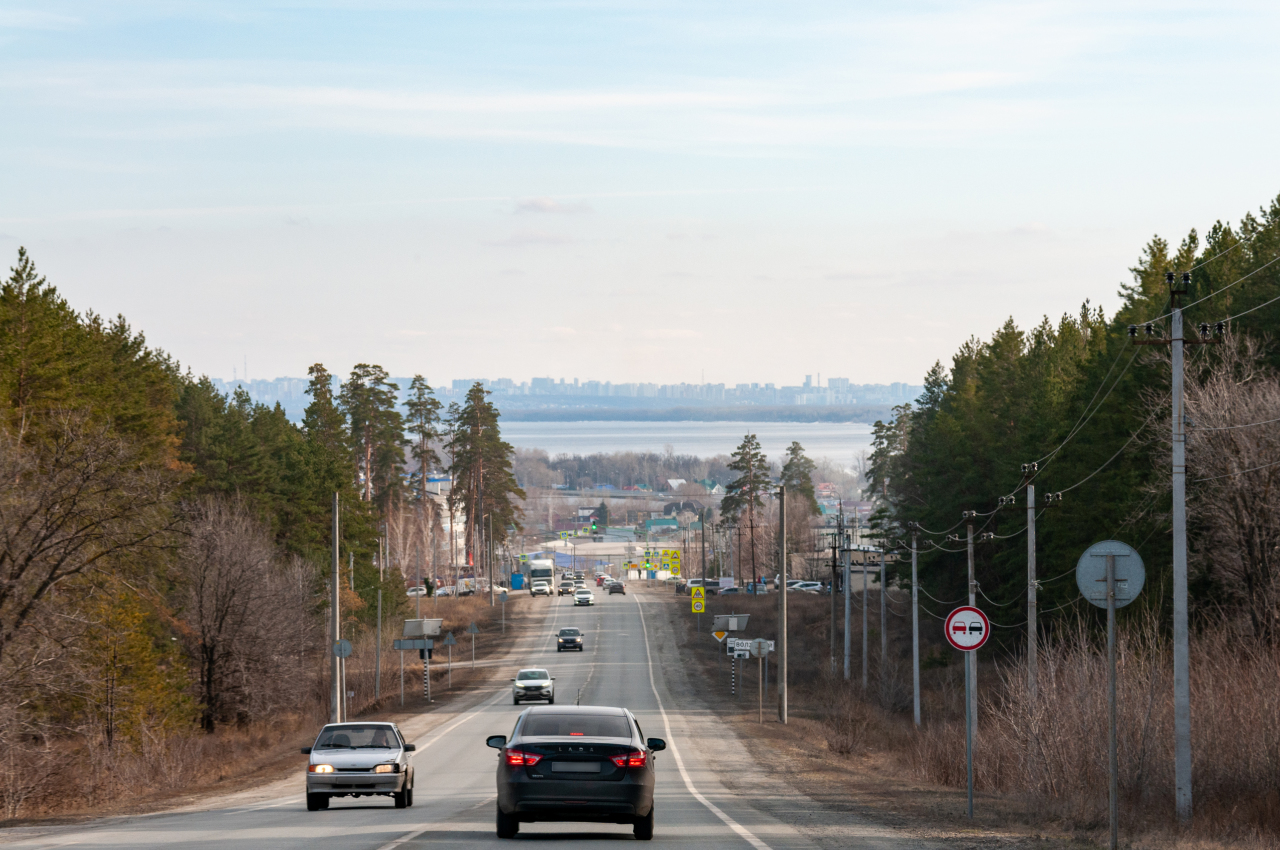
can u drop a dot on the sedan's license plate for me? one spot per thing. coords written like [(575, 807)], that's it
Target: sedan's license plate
[(575, 767)]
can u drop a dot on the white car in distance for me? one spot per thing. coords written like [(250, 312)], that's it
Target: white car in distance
[(540, 588), (584, 597)]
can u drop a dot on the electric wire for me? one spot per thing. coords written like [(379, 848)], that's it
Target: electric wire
[(1126, 445), (1257, 307), (1232, 427), (1241, 472), (995, 603), (1203, 263), (1079, 421), (1273, 260), (936, 599)]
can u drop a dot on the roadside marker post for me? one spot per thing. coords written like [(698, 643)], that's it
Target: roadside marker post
[(1107, 585), (450, 642), (967, 629), (473, 631)]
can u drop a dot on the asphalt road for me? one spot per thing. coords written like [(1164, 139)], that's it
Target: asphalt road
[(454, 790)]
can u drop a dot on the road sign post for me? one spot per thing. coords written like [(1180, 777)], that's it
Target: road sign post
[(967, 629), (503, 597), (450, 642), (1111, 585), (473, 631), (699, 603), (761, 648)]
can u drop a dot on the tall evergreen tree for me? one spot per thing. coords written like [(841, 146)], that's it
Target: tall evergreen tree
[(745, 493), (368, 399), (484, 484), (423, 423), (797, 477)]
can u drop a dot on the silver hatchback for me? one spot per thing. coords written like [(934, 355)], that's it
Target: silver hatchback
[(359, 760)]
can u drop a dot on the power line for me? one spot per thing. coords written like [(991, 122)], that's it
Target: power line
[(1258, 307), (1133, 437), (1242, 279), (936, 599), (1233, 427), (1203, 263), (1241, 472)]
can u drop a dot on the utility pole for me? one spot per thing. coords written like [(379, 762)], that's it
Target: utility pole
[(848, 601), (915, 627), (1031, 592), (835, 566), (1181, 644), (866, 593), (335, 708), (884, 623), (782, 604)]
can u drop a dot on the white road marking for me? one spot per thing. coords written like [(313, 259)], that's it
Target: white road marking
[(741, 830)]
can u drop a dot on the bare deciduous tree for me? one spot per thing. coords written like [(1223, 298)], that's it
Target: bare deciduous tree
[(246, 617), (1233, 460), (77, 498)]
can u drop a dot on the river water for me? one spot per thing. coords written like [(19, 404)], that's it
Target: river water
[(840, 443)]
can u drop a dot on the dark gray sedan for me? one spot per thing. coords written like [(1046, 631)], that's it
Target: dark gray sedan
[(576, 763)]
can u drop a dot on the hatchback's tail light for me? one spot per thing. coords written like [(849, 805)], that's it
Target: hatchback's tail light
[(634, 759), (518, 758)]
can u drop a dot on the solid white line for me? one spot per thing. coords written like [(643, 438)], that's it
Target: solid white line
[(741, 830)]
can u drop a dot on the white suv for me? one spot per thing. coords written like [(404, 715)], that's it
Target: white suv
[(540, 588)]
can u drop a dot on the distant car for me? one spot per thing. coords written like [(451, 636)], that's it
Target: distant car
[(446, 591), (727, 590), (566, 588), (571, 763), (569, 638), (582, 596), (363, 759), (540, 588), (805, 587), (416, 591), (600, 580), (616, 587), (579, 583), (533, 683)]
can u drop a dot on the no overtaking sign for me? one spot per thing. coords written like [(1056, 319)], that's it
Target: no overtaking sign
[(967, 628)]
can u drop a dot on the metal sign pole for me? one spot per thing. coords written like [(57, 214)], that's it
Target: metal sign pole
[(451, 668), (1112, 791), (968, 729), (760, 687), (377, 673), (402, 678)]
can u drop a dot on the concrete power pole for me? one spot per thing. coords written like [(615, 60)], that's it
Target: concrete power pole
[(1181, 648), (1031, 592), (884, 623), (915, 629), (335, 707), (782, 604)]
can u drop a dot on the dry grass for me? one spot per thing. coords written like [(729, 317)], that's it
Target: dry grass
[(79, 775), (1047, 756)]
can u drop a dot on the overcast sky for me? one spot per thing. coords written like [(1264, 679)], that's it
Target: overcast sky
[(626, 191)]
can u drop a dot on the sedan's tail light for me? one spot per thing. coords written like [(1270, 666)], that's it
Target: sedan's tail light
[(517, 758), (635, 759)]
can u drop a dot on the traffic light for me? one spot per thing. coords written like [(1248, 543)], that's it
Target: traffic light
[(593, 525)]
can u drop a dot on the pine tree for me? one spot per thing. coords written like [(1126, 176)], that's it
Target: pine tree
[(797, 477), (368, 399), (744, 493), (423, 423), (484, 484)]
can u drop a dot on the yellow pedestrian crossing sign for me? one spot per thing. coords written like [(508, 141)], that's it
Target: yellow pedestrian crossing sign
[(699, 605)]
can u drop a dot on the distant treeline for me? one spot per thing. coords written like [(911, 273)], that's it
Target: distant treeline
[(747, 413)]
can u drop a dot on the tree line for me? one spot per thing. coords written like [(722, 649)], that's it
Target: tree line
[(1087, 413), (156, 534)]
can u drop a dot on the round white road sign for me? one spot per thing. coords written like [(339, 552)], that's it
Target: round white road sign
[(1091, 573), (967, 628)]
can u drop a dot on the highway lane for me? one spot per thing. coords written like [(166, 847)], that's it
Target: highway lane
[(454, 791)]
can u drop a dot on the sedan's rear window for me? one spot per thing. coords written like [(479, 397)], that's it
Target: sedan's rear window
[(367, 737), (576, 725)]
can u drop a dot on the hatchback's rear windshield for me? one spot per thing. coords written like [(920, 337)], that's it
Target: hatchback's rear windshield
[(575, 725), (368, 737)]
